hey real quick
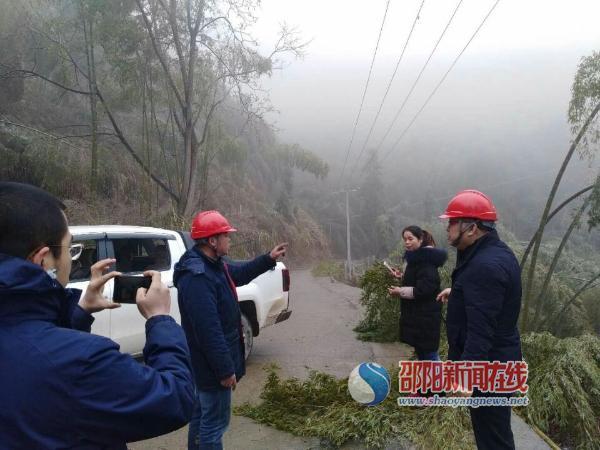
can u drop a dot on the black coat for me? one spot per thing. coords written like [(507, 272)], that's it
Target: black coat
[(420, 318), (484, 304)]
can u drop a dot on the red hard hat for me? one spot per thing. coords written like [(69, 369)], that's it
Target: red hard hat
[(209, 223), (471, 204)]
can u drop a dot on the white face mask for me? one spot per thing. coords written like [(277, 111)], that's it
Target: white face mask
[(51, 273)]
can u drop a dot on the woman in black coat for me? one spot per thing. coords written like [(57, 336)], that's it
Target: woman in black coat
[(420, 312)]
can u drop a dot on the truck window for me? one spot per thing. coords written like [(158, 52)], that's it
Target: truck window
[(135, 255), (80, 268)]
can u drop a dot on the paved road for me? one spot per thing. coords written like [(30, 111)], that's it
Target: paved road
[(318, 335)]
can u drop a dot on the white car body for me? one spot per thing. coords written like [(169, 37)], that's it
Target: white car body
[(264, 301)]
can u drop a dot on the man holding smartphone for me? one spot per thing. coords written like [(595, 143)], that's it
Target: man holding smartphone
[(62, 387), (211, 318)]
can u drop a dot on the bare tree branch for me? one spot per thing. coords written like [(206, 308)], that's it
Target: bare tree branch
[(130, 149), (159, 55), (81, 136), (30, 73)]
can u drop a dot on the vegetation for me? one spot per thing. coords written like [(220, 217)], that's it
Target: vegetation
[(381, 310), (583, 111), (564, 388), (564, 394), (176, 64), (564, 374), (321, 406), (326, 268), (144, 112)]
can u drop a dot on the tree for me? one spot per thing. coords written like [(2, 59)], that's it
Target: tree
[(370, 208), (182, 61), (583, 112), (384, 235), (87, 13), (11, 25)]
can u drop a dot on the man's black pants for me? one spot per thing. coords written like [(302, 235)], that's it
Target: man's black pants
[(491, 425)]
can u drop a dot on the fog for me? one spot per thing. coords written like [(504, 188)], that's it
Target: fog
[(505, 98), (498, 122)]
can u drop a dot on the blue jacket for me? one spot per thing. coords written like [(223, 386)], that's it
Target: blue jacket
[(62, 387), (210, 314), (484, 303)]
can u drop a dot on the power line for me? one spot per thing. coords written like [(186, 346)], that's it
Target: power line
[(418, 77), (364, 91), (441, 81), (388, 86)]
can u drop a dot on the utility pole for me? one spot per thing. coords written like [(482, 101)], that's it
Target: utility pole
[(349, 256), (349, 269)]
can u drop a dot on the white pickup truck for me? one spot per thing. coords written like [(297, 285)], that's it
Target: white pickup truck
[(263, 302)]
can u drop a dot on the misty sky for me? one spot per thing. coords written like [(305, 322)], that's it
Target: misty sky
[(511, 85)]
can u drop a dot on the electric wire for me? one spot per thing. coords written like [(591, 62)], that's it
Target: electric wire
[(417, 79), (388, 86), (364, 93), (438, 85)]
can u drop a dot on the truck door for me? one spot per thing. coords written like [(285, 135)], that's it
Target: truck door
[(94, 249)]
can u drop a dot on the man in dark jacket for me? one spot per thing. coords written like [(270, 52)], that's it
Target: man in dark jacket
[(60, 386), (483, 304), (211, 318)]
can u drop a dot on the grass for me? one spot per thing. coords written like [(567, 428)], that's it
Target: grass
[(327, 268)]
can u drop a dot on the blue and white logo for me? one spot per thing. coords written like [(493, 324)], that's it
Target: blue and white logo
[(369, 383)]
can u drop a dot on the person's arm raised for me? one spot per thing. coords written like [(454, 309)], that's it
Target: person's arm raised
[(244, 273)]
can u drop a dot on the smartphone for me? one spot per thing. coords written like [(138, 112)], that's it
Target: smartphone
[(126, 288)]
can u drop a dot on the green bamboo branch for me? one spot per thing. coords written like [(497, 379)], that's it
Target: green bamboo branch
[(529, 283), (557, 254), (550, 217)]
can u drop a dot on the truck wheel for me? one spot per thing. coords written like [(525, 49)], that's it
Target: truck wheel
[(248, 336)]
